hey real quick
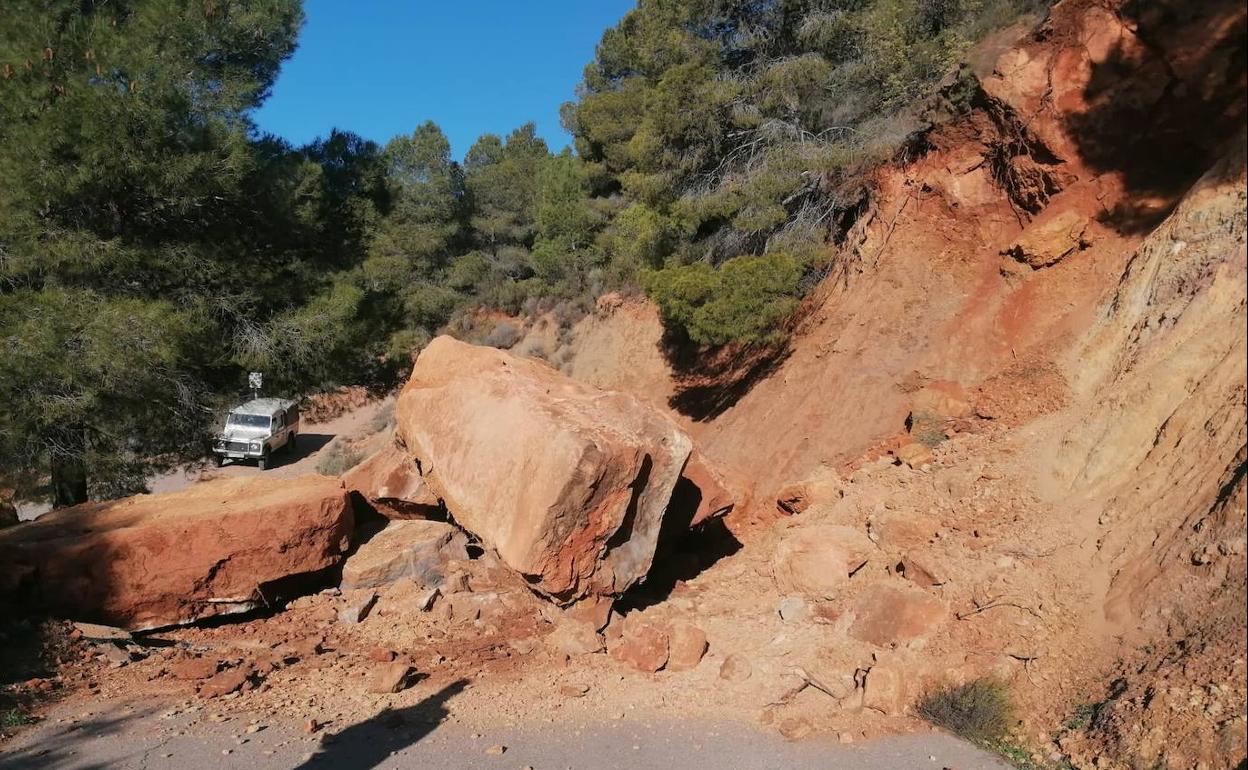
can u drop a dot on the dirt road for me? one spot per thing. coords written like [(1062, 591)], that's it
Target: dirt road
[(313, 440), (153, 736)]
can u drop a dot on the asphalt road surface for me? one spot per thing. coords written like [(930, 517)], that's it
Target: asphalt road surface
[(151, 737)]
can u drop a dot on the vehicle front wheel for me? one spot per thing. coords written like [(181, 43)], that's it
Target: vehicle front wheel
[(220, 460), (263, 462), (292, 444)]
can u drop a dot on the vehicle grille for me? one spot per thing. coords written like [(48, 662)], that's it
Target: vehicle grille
[(236, 446)]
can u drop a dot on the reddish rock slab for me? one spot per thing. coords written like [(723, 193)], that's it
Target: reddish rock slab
[(566, 482), (150, 561), (889, 615)]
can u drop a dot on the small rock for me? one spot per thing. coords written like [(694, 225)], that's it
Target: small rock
[(114, 656), (794, 728), (574, 637), (596, 611), (735, 668), (225, 682), (922, 571), (645, 648), (358, 609), (884, 690), (194, 669), (686, 646), (389, 678), (916, 455), (424, 602), (307, 647), (573, 690), (310, 726), (1048, 241), (817, 562), (496, 751)]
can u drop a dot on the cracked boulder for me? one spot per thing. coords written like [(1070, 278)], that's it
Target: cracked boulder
[(566, 482), (149, 561)]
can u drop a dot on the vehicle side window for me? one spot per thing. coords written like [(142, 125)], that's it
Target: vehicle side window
[(277, 421)]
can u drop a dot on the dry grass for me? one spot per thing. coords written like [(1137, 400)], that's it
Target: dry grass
[(338, 459), (979, 711)]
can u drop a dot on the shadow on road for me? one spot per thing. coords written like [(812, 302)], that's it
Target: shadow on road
[(306, 444), (62, 746), (369, 743)]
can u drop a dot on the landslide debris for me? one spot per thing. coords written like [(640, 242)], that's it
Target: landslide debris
[(219, 548)]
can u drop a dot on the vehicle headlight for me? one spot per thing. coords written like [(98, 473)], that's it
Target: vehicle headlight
[(255, 446)]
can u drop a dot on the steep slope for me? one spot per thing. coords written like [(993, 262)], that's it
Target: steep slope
[(1066, 253), (984, 249)]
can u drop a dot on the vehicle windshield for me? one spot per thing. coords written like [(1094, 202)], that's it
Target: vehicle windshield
[(247, 421)]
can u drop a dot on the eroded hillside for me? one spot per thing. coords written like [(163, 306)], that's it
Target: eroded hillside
[(1005, 442)]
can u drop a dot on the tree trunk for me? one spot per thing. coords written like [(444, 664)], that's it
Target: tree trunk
[(69, 469)]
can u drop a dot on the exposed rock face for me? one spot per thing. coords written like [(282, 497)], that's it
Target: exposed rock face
[(413, 550), (160, 560), (568, 483), (390, 482)]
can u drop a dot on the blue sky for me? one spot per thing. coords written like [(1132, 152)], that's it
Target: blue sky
[(382, 67)]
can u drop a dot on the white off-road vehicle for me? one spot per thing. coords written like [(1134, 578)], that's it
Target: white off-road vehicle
[(258, 429)]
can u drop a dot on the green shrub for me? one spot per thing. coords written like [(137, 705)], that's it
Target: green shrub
[(979, 711), (742, 301)]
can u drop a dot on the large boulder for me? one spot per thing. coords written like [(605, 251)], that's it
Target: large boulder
[(144, 562), (405, 550), (567, 482)]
